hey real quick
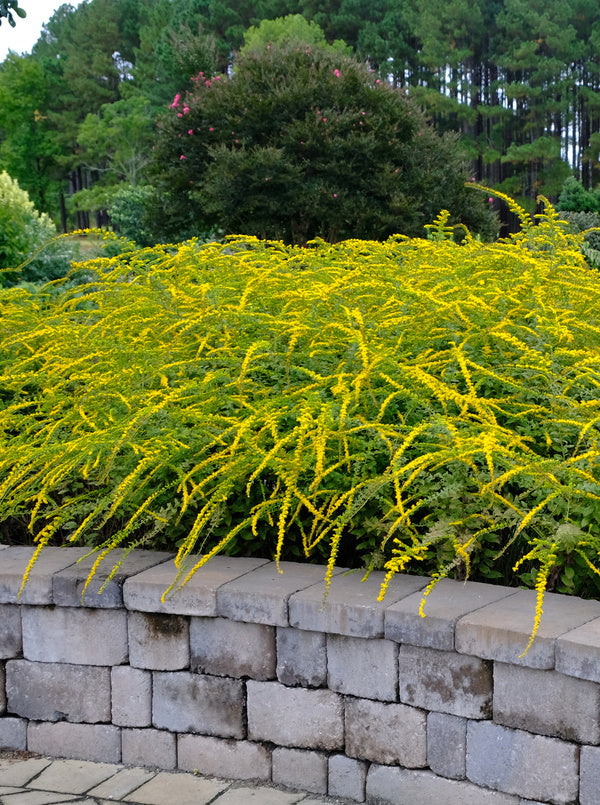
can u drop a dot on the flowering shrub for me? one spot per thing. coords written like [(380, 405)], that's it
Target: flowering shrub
[(409, 405)]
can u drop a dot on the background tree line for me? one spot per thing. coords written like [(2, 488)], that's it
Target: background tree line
[(519, 80)]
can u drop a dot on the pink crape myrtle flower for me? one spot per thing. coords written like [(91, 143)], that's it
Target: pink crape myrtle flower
[(337, 74), (175, 103), (182, 156)]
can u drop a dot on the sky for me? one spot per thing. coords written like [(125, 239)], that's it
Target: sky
[(25, 34)]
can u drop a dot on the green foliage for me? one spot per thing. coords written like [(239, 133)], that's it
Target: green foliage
[(6, 9), (300, 143), (575, 198), (293, 29), (127, 210)]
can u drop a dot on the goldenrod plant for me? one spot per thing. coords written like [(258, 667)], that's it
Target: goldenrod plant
[(413, 405)]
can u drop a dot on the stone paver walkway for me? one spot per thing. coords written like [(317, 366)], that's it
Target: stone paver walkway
[(44, 781)]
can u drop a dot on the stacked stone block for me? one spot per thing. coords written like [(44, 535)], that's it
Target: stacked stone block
[(248, 673)]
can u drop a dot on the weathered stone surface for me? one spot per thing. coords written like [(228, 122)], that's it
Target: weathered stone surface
[(447, 745), (38, 589), (57, 691), (123, 782), (294, 716), (392, 786), (546, 702), (362, 667), (199, 595), (500, 631), (386, 733), (232, 648), (516, 762), (13, 733), (154, 748), (578, 652), (347, 778), (72, 776), (131, 697), (262, 596), (589, 770), (301, 657), (300, 768), (10, 631), (449, 601), (68, 584), (350, 606), (184, 702), (74, 635), (182, 789), (445, 681), (20, 773), (158, 642), (99, 742), (239, 760)]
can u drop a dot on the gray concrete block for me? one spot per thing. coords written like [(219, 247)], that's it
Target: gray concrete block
[(232, 648), (131, 697), (300, 768), (311, 719), (589, 771), (158, 642), (262, 596), (578, 652), (68, 584), (57, 691), (184, 702), (98, 742), (387, 785), (347, 778), (13, 733), (449, 601), (301, 657), (447, 745), (75, 635), (445, 681), (386, 733), (154, 748), (38, 589), (2, 689), (199, 595), (351, 607), (11, 642), (500, 631), (517, 762), (547, 703), (361, 667), (237, 760)]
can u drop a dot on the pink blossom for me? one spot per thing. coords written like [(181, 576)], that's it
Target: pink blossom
[(175, 103), (378, 81), (210, 128), (191, 131), (179, 114), (491, 200), (182, 156), (335, 195), (337, 73), (186, 109)]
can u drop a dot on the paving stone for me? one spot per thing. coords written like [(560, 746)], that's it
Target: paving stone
[(62, 634), (36, 798), (72, 692), (294, 716), (183, 789), (184, 702), (447, 745), (300, 768), (578, 652), (445, 682), (72, 776), (238, 760), (19, 772), (547, 703), (38, 589), (259, 796), (399, 735), (347, 778), (199, 595), (361, 667), (350, 606), (158, 642), (154, 748), (131, 690), (589, 770), (387, 785), (449, 601), (517, 762), (232, 648), (11, 641), (500, 631), (68, 584), (100, 742), (13, 733), (123, 782), (301, 657), (262, 596)]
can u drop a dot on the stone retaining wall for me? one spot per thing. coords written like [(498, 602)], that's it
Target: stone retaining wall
[(245, 674)]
